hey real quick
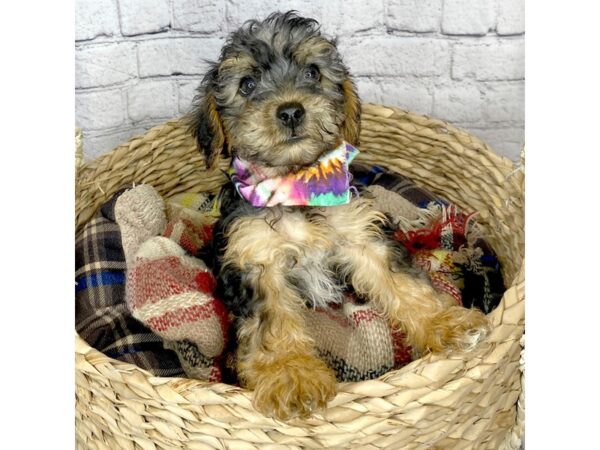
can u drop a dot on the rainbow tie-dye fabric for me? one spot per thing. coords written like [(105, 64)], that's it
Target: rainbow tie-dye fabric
[(324, 183)]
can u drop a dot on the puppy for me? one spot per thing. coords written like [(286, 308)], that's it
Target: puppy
[(278, 101)]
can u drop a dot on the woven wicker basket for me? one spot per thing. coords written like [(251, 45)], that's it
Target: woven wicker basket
[(469, 400)]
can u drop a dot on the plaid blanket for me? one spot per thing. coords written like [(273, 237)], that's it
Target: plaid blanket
[(365, 177)]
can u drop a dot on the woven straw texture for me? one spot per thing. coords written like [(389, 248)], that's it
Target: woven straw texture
[(460, 401)]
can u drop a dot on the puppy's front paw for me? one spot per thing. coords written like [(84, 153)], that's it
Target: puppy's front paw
[(456, 328), (294, 387)]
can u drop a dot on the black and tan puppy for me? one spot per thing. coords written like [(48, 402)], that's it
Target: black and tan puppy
[(280, 97)]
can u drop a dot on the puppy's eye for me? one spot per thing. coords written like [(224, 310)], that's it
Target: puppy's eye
[(312, 73), (247, 85)]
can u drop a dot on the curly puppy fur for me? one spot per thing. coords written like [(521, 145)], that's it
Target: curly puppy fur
[(273, 262)]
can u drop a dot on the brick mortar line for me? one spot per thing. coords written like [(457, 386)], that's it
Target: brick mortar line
[(375, 32)]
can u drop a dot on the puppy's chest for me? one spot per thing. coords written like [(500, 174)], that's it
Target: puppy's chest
[(308, 228), (313, 269)]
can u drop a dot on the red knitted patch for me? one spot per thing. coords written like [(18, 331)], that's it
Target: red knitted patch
[(178, 317), (223, 315), (216, 374), (168, 229), (454, 225), (364, 316), (205, 282), (152, 280), (190, 244), (441, 283), (191, 237), (207, 231), (402, 351), (441, 273)]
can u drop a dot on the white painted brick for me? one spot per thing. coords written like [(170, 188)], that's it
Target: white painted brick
[(305, 8), (97, 143), (501, 60), (368, 89), (470, 17), (458, 103), (396, 55), (95, 18), (335, 16), (101, 65), (339, 19), (504, 103), (99, 110), (176, 56), (504, 141), (205, 16), (144, 16), (152, 99), (419, 16), (410, 95), (239, 11), (511, 17), (187, 91)]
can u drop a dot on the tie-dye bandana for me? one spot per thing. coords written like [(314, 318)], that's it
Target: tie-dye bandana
[(324, 183)]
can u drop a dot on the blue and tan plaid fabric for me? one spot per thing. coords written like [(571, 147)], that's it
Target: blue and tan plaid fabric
[(101, 316)]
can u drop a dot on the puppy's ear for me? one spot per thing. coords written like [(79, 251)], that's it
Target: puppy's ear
[(351, 126), (205, 124)]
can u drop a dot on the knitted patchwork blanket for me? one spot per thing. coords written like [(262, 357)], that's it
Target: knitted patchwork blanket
[(168, 321)]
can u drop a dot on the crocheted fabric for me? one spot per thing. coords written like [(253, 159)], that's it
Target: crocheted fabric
[(324, 183)]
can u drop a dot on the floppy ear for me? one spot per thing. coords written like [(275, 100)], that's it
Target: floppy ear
[(205, 124), (350, 129)]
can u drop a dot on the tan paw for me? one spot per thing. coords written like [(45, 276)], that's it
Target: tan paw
[(294, 387), (456, 328)]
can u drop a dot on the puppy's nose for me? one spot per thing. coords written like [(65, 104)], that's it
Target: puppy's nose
[(291, 114)]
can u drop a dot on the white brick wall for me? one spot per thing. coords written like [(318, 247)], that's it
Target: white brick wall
[(468, 17), (138, 62), (144, 16)]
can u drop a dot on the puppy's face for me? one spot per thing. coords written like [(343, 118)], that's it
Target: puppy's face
[(279, 96)]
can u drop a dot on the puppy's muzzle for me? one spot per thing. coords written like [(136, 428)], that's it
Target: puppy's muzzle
[(291, 115)]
